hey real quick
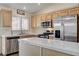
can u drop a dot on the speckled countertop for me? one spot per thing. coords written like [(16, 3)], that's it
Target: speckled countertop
[(21, 36), (54, 44)]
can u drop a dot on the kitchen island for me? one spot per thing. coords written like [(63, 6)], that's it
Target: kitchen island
[(47, 47)]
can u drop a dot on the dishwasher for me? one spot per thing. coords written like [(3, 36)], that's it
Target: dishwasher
[(10, 45)]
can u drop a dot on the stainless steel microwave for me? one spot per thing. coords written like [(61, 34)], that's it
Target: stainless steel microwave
[(46, 24)]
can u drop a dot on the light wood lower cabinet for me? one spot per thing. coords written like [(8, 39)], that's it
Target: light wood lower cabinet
[(48, 52)]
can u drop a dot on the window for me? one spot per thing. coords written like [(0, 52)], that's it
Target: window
[(20, 23), (25, 24), (16, 23)]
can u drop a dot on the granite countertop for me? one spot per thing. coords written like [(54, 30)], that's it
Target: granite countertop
[(21, 36), (71, 48)]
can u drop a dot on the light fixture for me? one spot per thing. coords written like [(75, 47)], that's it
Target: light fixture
[(24, 8), (39, 4)]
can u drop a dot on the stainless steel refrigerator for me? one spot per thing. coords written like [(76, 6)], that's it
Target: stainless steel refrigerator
[(67, 26)]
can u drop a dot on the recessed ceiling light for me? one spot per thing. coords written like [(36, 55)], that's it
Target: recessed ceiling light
[(39, 4), (24, 8)]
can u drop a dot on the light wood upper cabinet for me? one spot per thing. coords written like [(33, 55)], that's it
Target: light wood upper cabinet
[(59, 13), (48, 17), (6, 18), (43, 17), (62, 13), (73, 11), (39, 20), (34, 21), (66, 12)]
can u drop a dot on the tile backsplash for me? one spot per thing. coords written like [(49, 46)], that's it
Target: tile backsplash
[(38, 30), (18, 32), (5, 31)]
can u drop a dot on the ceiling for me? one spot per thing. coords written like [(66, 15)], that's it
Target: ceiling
[(30, 7)]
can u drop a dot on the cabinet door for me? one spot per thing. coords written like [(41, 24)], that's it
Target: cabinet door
[(48, 52), (43, 17), (34, 21), (25, 24), (48, 17), (7, 18), (16, 21), (62, 13), (38, 20), (73, 11), (26, 49)]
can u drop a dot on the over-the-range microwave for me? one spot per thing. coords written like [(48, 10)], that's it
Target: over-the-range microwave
[(46, 24)]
